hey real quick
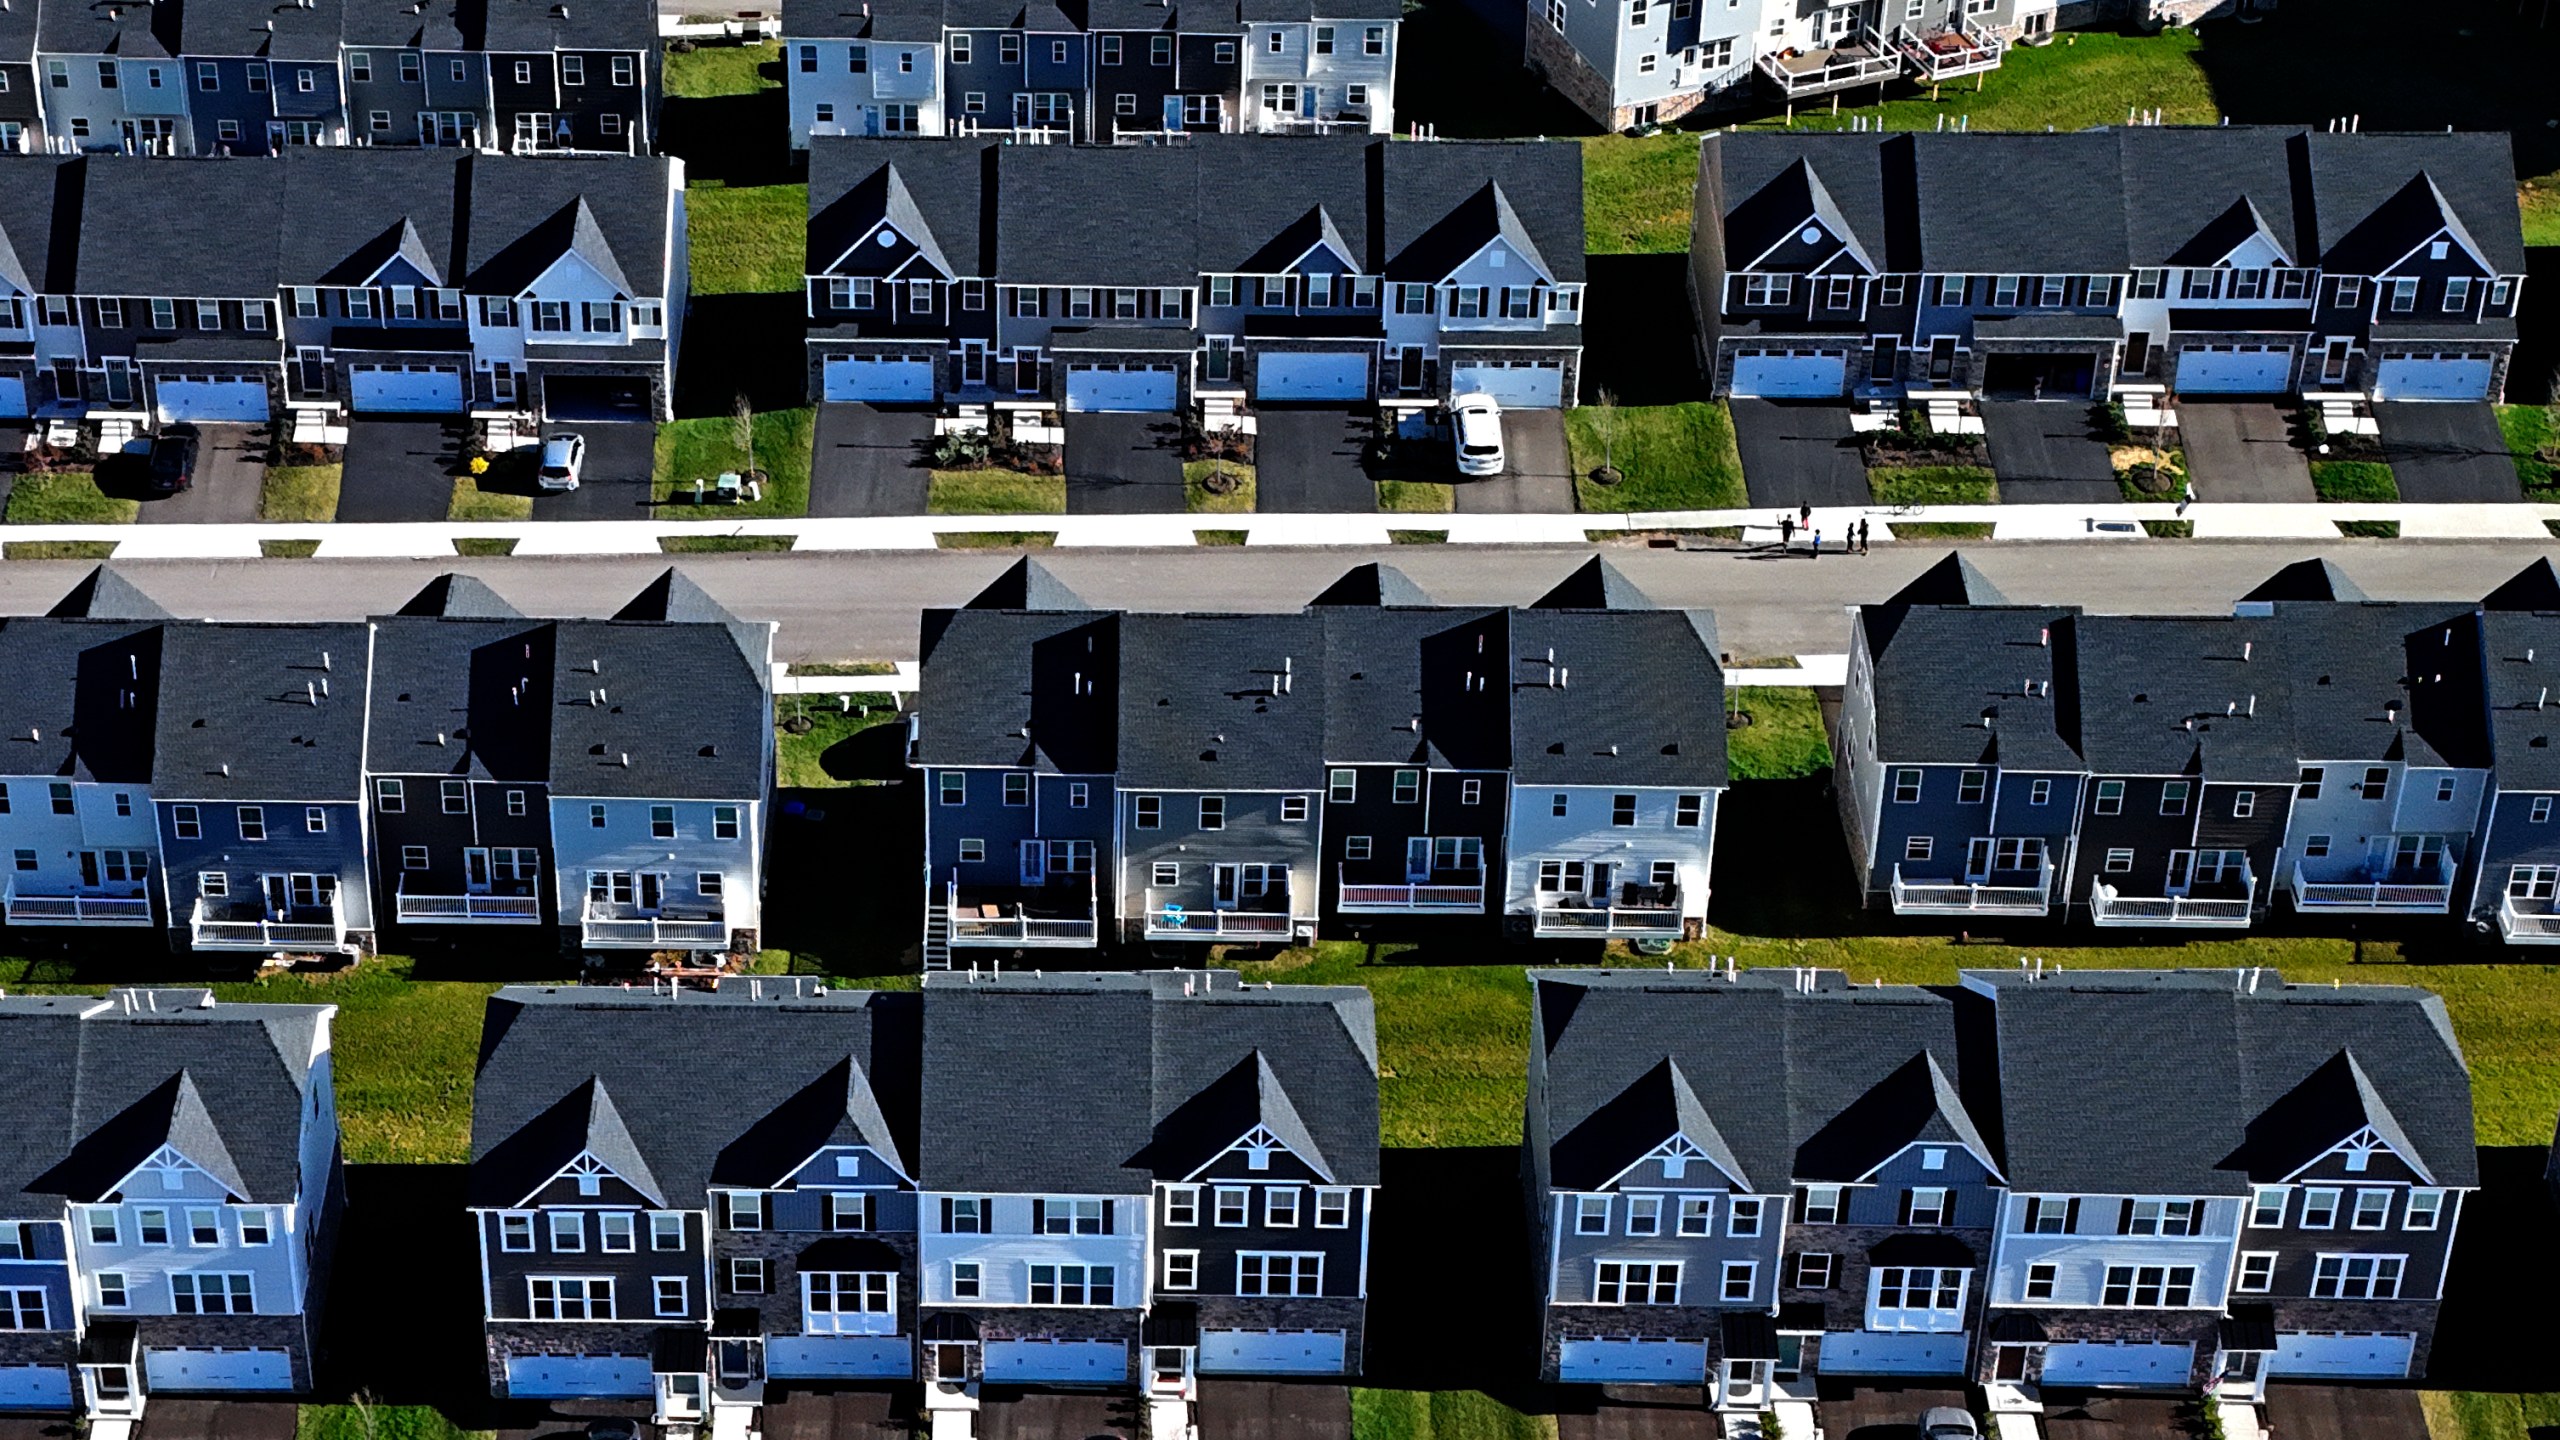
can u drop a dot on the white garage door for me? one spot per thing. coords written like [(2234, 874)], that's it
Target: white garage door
[(1528, 385), (1115, 387), (416, 389), (35, 1387), (2433, 377), (1271, 1352), (2234, 369), (1664, 1362), (13, 395), (1783, 374), (889, 378), (1324, 375), (2086, 1363), (822, 1357), (218, 1369), (1063, 1362), (2346, 1357), (1877, 1352), (207, 398), (572, 1377)]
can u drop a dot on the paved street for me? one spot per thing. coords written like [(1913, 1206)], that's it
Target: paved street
[(863, 606)]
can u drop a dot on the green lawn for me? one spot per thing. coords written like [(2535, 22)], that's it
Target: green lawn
[(995, 492), (1416, 497), (377, 1422), (994, 539), (2529, 428), (1933, 485), (725, 544), (749, 240), (1636, 194), (67, 498), (1669, 457), (484, 547), (300, 493), (2541, 199), (2354, 480), (1441, 1415), (708, 71), (1199, 501), (690, 450), (800, 761), (57, 549), (1785, 738), (471, 502), (1947, 529), (287, 549), (2470, 1415)]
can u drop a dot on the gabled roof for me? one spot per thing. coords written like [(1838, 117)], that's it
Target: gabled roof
[(1373, 584), (839, 1108), (1951, 581), (34, 192), (462, 694), (1914, 1104), (1414, 686), (172, 1116), (584, 1122), (1482, 218), (2375, 680), (460, 597), (2333, 1102), (2520, 650), (1228, 1109), (422, 24), (948, 185), (1292, 244), (673, 709), (2318, 579), (1223, 702), (1624, 697), (2226, 233), (131, 199), (106, 593), (528, 211), (1595, 584), (107, 27), (1633, 1124), (81, 698), (1771, 215), (2210, 696), (1026, 584), (1021, 688), (1969, 684), (2535, 587)]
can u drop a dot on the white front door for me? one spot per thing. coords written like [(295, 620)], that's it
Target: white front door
[(1316, 375), (210, 399), (1529, 385), (1790, 374), (2433, 377), (2343, 1356), (216, 1369), (414, 389), (1113, 387), (893, 379), (2235, 369)]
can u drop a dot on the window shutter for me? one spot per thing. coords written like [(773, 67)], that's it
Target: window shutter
[(1905, 1217), (2071, 1217), (987, 1215), (1107, 1208), (1798, 1213), (2124, 1217), (947, 1208), (1039, 1217)]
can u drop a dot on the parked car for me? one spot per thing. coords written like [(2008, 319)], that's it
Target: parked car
[(563, 457), (1477, 421), (1946, 1422), (172, 466)]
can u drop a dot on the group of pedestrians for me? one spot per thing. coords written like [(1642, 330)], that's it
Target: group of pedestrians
[(1853, 540)]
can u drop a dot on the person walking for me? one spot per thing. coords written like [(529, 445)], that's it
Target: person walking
[(1863, 527), (1804, 517), (1786, 532), (1817, 544)]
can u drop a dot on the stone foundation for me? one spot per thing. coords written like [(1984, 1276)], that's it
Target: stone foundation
[(2360, 1316), (778, 1310), (1047, 1324), (1651, 1322)]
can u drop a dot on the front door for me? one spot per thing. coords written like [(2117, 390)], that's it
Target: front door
[(2137, 352), (1942, 359), (1409, 367), (475, 870), (279, 892), (1417, 859), (741, 1363), (1884, 360), (1035, 862), (2182, 871), (973, 362), (311, 370), (653, 891), (1223, 878), (1026, 371), (1977, 860), (948, 1363), (2009, 1363), (119, 382), (89, 869)]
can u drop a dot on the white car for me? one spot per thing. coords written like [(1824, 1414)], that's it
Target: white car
[(1477, 419), (563, 456)]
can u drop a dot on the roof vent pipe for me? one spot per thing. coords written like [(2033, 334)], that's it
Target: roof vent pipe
[(324, 685), (324, 659), (2542, 699), (310, 693), (439, 739), (626, 759), (2253, 707), (2246, 646), (1564, 678), (2044, 637)]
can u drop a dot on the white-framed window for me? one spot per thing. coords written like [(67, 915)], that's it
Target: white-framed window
[(2319, 1209), (1922, 1298), (968, 1280), (2149, 1287), (1591, 1215), (1278, 1272), (571, 1297), (1644, 1214), (849, 1302), (668, 1293), (1972, 786), (112, 1293), (746, 1275), (206, 1292), (1333, 1208), (1213, 812), (617, 1232), (2372, 1210), (1742, 1216), (568, 1231), (1740, 1278), (1071, 1285), (2266, 1206), (105, 1225), (1182, 1205), (743, 1208), (1408, 787), (2119, 859), (1230, 1206), (1928, 1206), (1918, 847), (1906, 787), (1821, 1204), (1814, 1269), (2110, 797), (2173, 797), (1280, 1207), (1636, 1282), (2424, 1211), (1149, 812), (204, 1226), (2046, 1215), (515, 1232), (1182, 1269), (2244, 803), (2040, 1279), (666, 1231), (2357, 1277), (2162, 1217), (2257, 1272), (1293, 809), (1074, 1217)]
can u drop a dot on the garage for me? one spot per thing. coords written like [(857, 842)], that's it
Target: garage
[(13, 396), (405, 389), (1315, 375), (1879, 1352), (210, 399), (2061, 376), (838, 1357), (1634, 1362), (1790, 374), (35, 1387), (578, 1377), (1270, 1352), (2152, 1363), (1517, 384), (2433, 377), (1058, 1362), (2235, 369), (882, 379), (1139, 386), (217, 1369), (2342, 1356), (599, 399)]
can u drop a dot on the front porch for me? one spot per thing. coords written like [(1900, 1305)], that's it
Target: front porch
[(2216, 904), (2422, 888), (627, 925), (2024, 890), (1948, 53), (1632, 912), (1058, 912), (1860, 59), (1372, 888), (77, 907)]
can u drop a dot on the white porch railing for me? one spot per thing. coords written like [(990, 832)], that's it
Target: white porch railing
[(1167, 920), (2536, 926), (77, 909), (1576, 917), (1860, 61), (608, 925), (464, 909), (1964, 897), (2414, 897), (216, 932), (1949, 53), (1016, 925), (1414, 895), (2106, 907)]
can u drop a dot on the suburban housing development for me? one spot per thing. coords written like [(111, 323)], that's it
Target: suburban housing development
[(1094, 777)]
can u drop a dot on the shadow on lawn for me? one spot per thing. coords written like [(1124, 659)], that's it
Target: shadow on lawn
[(733, 139), (742, 344)]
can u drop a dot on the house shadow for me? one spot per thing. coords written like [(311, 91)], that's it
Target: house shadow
[(1639, 338), (403, 1318), (1453, 1293), (1477, 86), (733, 139), (746, 345), (843, 890)]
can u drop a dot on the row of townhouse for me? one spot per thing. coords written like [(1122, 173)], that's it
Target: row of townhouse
[(1630, 63), (2355, 756), (249, 77), (1126, 1181), (252, 788), (1089, 71), (1098, 776), (1145, 278), (2186, 1180), (334, 281), (2108, 263)]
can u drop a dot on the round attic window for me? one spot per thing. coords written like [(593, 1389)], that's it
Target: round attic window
[(888, 237), (1812, 235)]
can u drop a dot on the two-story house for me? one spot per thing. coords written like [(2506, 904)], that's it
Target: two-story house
[(111, 78), (1186, 1191), (591, 83), (1869, 264), (2513, 893), (688, 1253), (174, 328), (2253, 1180), (170, 1219), (661, 770), (43, 341), (1320, 67), (21, 102), (414, 74), (261, 76), (372, 305), (1360, 269), (77, 818), (856, 68), (1163, 70)]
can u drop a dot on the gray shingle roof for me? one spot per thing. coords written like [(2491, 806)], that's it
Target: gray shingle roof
[(529, 210), (2318, 579), (1014, 688), (520, 25), (2523, 668), (937, 191), (355, 209), (95, 1089), (2211, 696), (1638, 699), (1102, 1083), (433, 25), (670, 710), (31, 189), (261, 28), (129, 203), (80, 698), (565, 1068), (241, 715), (2205, 1085), (904, 20), (1416, 686), (462, 696), (1198, 709), (1372, 584), (1941, 669), (2371, 681), (106, 593), (107, 27)]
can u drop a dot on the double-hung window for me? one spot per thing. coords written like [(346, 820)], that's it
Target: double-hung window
[(2357, 1277), (1636, 1282), (2149, 1287)]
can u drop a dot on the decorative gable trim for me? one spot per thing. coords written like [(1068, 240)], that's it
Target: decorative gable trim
[(1676, 1155), (589, 1172), (2365, 1143), (154, 1174), (1258, 1145)]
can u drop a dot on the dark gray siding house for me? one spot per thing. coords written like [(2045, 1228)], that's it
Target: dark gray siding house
[(414, 74), (175, 329), (589, 83), (261, 77)]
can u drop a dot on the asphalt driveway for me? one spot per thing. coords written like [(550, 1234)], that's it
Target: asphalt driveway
[(2113, 1415), (1123, 463), (400, 468), (2242, 450), (2048, 453), (231, 469), (836, 1414), (615, 483), (1537, 472), (1799, 452), (1009, 1414), (1307, 461), (1639, 1412), (1880, 1411), (180, 1419), (2447, 453), (869, 461), (1233, 1409), (2344, 1412)]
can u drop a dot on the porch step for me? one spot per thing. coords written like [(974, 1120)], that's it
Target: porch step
[(113, 435), (61, 434), (1171, 1420), (954, 1425), (2240, 1420), (937, 937)]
